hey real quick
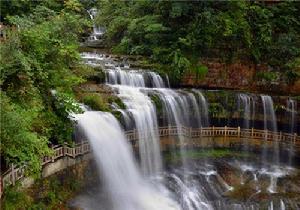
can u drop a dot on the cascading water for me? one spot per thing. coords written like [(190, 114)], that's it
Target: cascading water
[(123, 183), (194, 188), (270, 123), (97, 30), (144, 114), (203, 106), (253, 111), (131, 88), (245, 105), (292, 112)]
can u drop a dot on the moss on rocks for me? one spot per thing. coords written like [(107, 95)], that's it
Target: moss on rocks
[(115, 99), (158, 104), (96, 102)]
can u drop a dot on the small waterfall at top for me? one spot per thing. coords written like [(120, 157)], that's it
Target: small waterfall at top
[(123, 183), (97, 30)]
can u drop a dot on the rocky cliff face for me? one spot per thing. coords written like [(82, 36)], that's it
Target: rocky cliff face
[(240, 76)]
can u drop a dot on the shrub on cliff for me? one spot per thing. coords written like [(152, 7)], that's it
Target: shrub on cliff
[(174, 32)]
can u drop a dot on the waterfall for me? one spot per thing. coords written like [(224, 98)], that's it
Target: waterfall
[(176, 108), (182, 108), (203, 106), (291, 114), (134, 78), (150, 103), (130, 85), (270, 123), (141, 108), (122, 180), (253, 111), (129, 78), (245, 105), (97, 30)]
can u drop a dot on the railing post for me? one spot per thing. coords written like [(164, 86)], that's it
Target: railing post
[(280, 136), (134, 134), (52, 156), (213, 130), (65, 149), (190, 132), (1, 186), (13, 175), (239, 131), (252, 132), (74, 152), (295, 136)]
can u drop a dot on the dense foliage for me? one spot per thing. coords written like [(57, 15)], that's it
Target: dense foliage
[(177, 33), (40, 65)]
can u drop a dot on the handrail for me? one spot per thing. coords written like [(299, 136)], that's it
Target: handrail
[(14, 174)]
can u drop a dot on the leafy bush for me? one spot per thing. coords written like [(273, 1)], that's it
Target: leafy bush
[(38, 58), (267, 76), (201, 71), (293, 72), (20, 144)]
